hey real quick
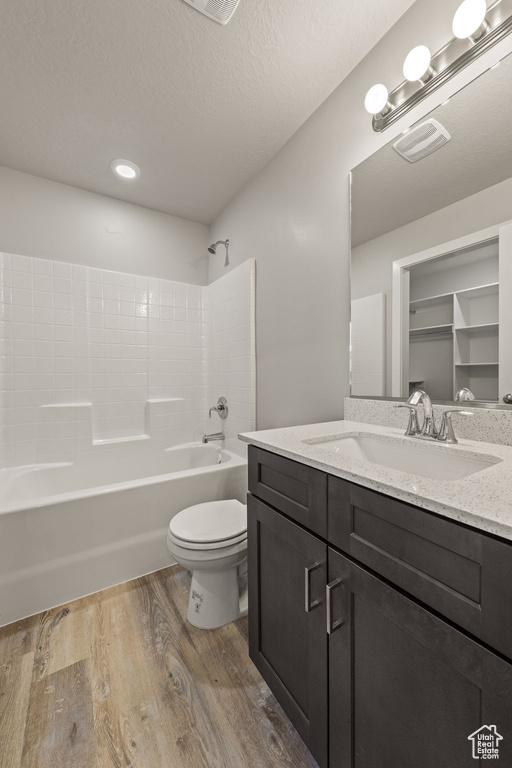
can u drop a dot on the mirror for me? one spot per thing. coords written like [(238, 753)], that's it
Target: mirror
[(431, 260)]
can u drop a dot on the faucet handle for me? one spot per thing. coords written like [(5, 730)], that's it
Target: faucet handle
[(413, 427), (221, 408), (446, 433)]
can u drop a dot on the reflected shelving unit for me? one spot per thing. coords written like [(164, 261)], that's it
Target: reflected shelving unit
[(476, 340), (458, 330)]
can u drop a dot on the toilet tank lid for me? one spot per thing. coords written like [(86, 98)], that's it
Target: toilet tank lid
[(212, 521)]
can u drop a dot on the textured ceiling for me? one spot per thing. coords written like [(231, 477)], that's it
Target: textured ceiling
[(198, 106), (389, 192)]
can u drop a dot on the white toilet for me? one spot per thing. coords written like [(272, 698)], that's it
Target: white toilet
[(210, 541)]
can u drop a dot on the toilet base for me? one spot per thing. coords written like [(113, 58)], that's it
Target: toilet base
[(217, 597)]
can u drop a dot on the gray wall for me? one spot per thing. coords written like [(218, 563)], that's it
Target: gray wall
[(293, 218), (55, 221)]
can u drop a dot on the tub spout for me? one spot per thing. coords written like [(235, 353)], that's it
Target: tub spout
[(214, 436)]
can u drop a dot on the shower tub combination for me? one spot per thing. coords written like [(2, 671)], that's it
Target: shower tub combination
[(71, 529)]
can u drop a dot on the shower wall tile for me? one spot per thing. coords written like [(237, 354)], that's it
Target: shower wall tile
[(230, 309), (90, 359)]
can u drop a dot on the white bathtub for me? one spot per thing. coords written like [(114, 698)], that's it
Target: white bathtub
[(67, 530)]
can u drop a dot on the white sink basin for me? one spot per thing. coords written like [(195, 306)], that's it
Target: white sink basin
[(439, 462)]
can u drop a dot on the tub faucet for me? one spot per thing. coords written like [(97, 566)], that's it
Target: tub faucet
[(214, 436), (428, 428)]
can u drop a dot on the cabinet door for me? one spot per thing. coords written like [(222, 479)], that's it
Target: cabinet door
[(287, 643), (406, 688)]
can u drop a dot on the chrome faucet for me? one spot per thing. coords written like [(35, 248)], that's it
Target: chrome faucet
[(464, 394), (428, 428), (214, 436)]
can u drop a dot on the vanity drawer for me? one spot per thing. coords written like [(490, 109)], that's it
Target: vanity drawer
[(463, 574), (298, 491)]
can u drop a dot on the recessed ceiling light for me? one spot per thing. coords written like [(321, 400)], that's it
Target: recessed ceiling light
[(125, 168)]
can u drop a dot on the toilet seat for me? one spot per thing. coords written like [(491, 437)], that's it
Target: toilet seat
[(212, 525)]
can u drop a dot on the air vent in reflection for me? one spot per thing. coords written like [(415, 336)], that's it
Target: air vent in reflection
[(218, 10), (422, 141)]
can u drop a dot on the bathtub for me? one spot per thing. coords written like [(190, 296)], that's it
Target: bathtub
[(70, 529)]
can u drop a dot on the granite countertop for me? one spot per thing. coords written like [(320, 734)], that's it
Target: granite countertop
[(482, 500)]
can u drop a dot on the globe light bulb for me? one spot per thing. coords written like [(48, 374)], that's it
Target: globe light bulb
[(469, 17), (376, 99), (417, 63)]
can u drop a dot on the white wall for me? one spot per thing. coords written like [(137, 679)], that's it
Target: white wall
[(54, 221), (293, 218)]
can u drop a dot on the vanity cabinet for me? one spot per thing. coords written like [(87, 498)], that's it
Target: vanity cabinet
[(407, 688), (287, 637), (380, 637)]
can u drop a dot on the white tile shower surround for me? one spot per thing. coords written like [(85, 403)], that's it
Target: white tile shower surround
[(92, 359), (487, 425), (230, 313)]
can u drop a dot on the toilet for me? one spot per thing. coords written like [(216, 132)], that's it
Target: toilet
[(210, 541)]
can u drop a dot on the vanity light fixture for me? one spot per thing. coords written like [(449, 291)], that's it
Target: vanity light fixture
[(417, 65), (125, 168), (476, 28)]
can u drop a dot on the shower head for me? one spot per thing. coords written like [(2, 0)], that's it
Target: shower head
[(213, 249)]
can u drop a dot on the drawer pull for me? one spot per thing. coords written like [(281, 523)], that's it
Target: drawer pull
[(307, 587), (332, 627)]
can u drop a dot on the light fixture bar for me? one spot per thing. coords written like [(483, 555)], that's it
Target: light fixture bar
[(455, 56)]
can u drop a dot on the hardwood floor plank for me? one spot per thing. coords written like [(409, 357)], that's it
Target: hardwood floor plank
[(17, 638), (121, 690), (63, 636), (178, 674), (60, 721), (243, 697), (15, 680)]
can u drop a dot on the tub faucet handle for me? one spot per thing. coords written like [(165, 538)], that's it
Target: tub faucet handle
[(221, 408)]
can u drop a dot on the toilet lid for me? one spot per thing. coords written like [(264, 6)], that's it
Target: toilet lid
[(210, 522)]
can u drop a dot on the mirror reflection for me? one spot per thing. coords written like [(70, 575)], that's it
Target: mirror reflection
[(431, 267)]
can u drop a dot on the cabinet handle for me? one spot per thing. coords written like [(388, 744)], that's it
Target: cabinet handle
[(332, 627), (307, 587)]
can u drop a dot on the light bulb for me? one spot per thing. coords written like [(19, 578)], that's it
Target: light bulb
[(376, 99), (469, 17), (417, 63), (125, 168)]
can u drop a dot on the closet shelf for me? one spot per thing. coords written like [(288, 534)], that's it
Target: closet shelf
[(465, 293), (481, 327), (428, 330)]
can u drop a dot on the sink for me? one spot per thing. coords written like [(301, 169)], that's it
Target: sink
[(438, 462)]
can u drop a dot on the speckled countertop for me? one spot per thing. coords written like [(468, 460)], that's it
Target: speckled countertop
[(482, 500)]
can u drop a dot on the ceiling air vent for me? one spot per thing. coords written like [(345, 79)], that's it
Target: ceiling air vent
[(422, 141), (218, 10)]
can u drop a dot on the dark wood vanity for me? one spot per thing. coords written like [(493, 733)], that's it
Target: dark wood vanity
[(384, 630)]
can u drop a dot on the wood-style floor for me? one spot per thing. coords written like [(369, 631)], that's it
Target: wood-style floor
[(121, 680)]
